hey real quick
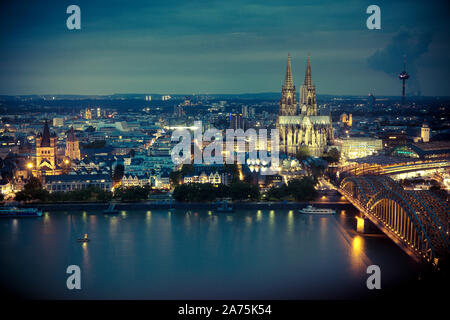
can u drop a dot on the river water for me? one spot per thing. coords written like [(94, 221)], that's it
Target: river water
[(197, 254)]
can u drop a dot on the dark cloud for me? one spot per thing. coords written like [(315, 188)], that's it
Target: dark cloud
[(181, 46), (411, 44)]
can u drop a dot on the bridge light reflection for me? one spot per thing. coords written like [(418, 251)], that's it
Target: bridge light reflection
[(357, 245), (359, 224)]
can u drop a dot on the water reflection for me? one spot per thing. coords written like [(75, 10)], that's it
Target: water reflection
[(113, 225), (290, 222), (203, 252), (86, 259), (258, 215), (271, 218), (357, 256)]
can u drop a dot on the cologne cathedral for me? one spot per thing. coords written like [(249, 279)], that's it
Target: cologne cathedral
[(298, 124)]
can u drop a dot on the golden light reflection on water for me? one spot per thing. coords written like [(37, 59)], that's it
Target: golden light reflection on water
[(84, 216), (93, 221), (148, 217), (248, 221), (86, 260), (290, 222), (113, 224), (357, 254), (271, 218), (357, 245), (123, 214), (258, 215), (15, 228)]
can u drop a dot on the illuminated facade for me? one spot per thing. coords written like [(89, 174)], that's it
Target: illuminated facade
[(425, 133), (353, 148), (300, 125), (72, 146), (46, 153)]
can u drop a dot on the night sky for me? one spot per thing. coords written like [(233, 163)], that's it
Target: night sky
[(228, 46)]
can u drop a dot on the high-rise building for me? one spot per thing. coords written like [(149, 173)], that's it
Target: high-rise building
[(304, 128), (236, 121), (72, 146), (245, 111), (251, 112)]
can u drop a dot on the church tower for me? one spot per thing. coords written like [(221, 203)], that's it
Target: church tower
[(46, 153), (288, 102), (72, 146), (308, 103)]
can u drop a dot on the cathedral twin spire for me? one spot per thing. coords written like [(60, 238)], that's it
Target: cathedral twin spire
[(288, 82), (288, 103), (308, 76)]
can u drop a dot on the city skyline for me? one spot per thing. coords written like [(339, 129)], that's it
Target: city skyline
[(217, 47)]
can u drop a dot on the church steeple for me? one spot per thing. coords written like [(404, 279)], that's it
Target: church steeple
[(288, 102), (45, 136), (308, 104), (288, 82), (308, 76)]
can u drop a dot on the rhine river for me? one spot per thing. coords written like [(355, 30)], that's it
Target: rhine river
[(197, 254)]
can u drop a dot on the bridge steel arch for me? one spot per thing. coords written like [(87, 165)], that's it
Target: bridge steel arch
[(416, 220)]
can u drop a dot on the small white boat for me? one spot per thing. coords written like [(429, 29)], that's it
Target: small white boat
[(311, 210)]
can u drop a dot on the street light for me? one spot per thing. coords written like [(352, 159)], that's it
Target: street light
[(29, 165)]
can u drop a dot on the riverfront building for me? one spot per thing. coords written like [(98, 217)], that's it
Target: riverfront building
[(71, 182)]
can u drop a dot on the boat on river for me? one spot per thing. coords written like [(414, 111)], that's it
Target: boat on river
[(14, 212), (316, 211)]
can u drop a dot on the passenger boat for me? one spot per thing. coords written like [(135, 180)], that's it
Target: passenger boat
[(19, 212), (316, 211), (111, 209)]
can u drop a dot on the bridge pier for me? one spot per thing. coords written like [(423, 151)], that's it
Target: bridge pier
[(361, 224), (365, 226)]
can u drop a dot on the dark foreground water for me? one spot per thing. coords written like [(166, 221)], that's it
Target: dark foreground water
[(195, 255)]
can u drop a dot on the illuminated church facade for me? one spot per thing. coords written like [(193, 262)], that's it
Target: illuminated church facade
[(298, 124), (46, 160)]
